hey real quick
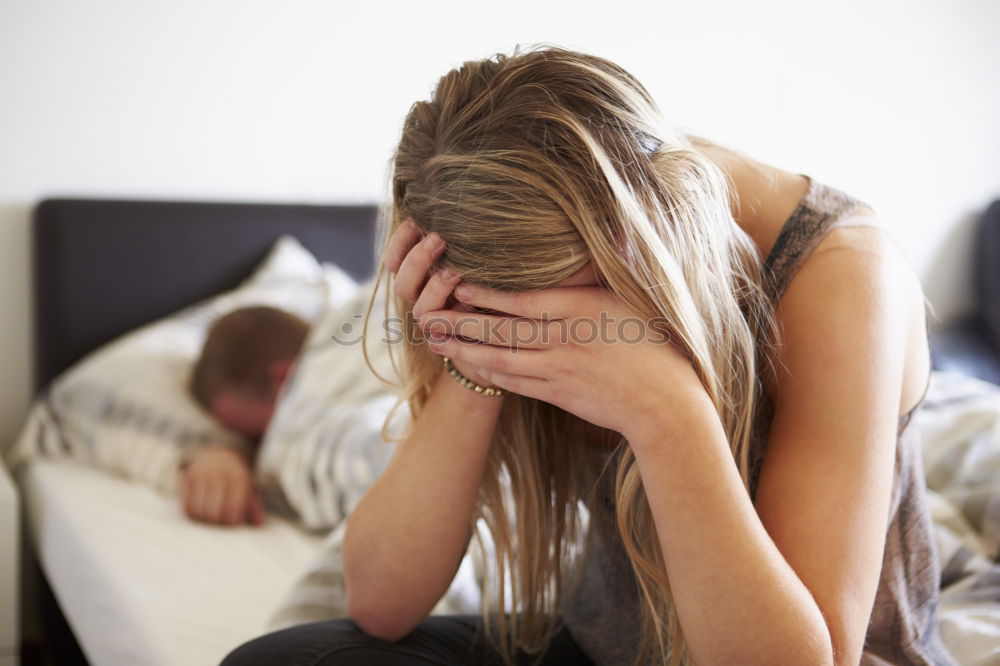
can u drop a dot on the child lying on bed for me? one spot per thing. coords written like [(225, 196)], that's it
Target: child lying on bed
[(246, 357)]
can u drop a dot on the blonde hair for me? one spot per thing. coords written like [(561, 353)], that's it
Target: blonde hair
[(530, 166)]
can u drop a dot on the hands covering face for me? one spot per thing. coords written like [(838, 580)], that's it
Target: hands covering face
[(576, 346)]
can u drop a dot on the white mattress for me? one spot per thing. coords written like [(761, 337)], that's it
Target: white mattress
[(143, 585)]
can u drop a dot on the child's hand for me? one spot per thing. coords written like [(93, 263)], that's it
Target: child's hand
[(217, 487)]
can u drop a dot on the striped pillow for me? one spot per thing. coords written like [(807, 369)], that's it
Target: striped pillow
[(323, 448), (125, 407)]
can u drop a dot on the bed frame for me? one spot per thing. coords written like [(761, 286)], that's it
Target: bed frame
[(103, 267)]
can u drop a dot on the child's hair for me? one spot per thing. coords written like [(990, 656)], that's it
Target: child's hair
[(529, 166), (240, 348)]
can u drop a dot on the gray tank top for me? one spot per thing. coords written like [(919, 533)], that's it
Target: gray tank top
[(602, 612)]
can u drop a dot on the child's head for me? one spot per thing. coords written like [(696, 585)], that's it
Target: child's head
[(246, 356)]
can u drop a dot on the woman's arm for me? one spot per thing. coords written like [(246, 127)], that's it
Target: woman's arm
[(792, 580), (406, 537)]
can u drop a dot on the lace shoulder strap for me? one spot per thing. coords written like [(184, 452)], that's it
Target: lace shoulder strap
[(822, 209)]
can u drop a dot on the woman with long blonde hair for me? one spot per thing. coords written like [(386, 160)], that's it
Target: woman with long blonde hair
[(682, 454)]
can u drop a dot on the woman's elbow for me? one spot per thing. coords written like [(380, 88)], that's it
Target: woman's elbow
[(378, 622)]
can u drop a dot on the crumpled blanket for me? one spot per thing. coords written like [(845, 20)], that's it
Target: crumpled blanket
[(959, 423)]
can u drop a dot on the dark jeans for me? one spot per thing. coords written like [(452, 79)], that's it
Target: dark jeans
[(440, 639)]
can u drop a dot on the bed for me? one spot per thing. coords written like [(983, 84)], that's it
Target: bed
[(137, 582)]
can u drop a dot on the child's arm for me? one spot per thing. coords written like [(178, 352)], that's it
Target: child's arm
[(217, 487)]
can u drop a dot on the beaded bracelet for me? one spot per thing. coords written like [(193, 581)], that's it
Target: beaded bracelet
[(468, 383)]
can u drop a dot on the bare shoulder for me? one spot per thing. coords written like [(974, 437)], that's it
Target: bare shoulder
[(826, 480), (861, 237), (860, 271)]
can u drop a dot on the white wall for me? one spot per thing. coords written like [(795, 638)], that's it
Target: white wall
[(895, 102)]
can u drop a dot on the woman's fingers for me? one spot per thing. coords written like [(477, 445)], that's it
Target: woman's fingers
[(514, 332), (529, 387), (551, 303), (515, 372), (416, 265), (487, 358), (435, 293), (412, 257), (403, 238)]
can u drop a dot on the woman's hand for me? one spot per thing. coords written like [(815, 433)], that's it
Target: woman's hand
[(578, 348), (411, 256)]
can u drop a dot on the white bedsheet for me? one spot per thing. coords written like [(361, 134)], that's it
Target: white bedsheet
[(140, 583)]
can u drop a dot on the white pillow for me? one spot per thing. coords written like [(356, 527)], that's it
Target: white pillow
[(323, 448), (125, 407)]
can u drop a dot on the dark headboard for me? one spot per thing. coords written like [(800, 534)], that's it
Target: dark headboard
[(104, 267)]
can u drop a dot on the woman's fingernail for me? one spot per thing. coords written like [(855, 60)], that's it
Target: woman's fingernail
[(463, 293), (433, 241), (438, 330), (447, 274)]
